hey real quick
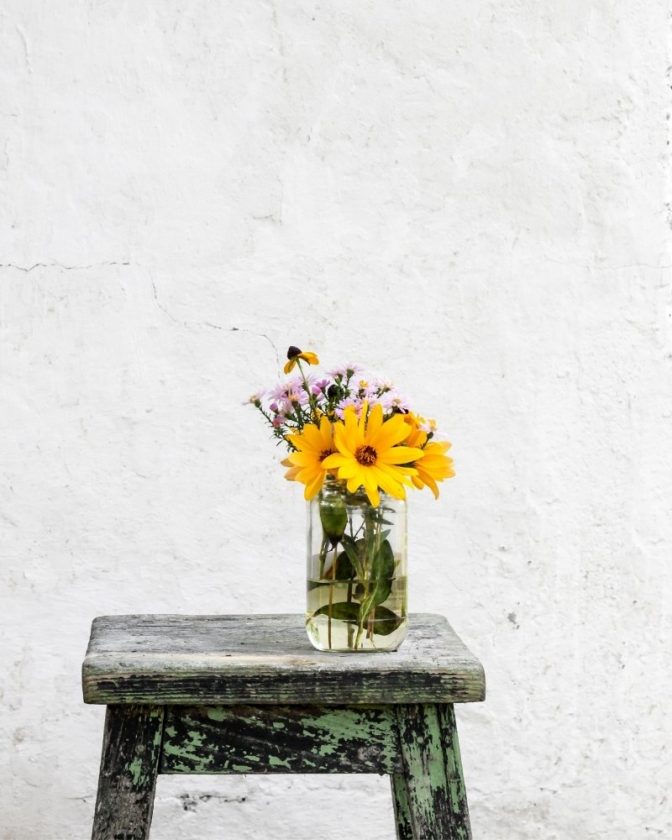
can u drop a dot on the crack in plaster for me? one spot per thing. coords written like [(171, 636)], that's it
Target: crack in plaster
[(281, 43), (163, 308), (259, 335), (608, 267), (26, 50), (190, 325), (28, 268), (8, 519)]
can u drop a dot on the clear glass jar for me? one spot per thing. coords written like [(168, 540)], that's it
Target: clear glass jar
[(357, 591)]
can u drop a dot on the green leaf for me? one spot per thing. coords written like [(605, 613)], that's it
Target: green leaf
[(382, 573), (342, 611), (355, 551), (382, 577), (350, 547), (344, 568), (385, 621)]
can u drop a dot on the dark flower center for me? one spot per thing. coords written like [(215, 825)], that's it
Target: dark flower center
[(293, 352), (325, 454), (366, 456)]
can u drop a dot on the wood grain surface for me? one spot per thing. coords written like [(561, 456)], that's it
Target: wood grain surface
[(128, 770), (267, 659), (280, 739)]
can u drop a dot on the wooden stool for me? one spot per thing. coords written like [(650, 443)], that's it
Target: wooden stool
[(248, 694)]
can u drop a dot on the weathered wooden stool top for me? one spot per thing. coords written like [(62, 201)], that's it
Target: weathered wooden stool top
[(264, 659)]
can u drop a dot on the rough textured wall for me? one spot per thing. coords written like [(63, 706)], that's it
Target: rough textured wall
[(468, 197)]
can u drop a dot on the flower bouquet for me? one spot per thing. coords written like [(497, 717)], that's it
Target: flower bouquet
[(356, 445)]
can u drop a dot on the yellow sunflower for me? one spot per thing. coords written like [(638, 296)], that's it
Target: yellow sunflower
[(434, 465), (369, 455), (314, 444), (293, 356), (292, 471)]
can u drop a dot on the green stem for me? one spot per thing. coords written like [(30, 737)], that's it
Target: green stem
[(311, 397), (324, 548), (331, 595), (350, 627)]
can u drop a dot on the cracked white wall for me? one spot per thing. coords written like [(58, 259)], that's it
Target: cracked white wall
[(467, 197)]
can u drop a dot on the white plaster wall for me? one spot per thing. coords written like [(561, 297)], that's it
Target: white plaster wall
[(467, 196)]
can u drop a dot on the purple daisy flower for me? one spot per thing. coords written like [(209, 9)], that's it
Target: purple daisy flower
[(355, 402), (345, 371), (319, 386), (393, 401)]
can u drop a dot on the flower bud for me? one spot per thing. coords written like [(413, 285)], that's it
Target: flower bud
[(334, 518)]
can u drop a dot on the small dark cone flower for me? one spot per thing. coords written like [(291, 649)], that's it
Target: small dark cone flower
[(295, 353)]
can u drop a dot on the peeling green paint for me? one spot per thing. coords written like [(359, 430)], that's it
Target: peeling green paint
[(417, 745), (135, 769)]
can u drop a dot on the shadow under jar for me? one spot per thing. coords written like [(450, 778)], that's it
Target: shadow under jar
[(357, 588)]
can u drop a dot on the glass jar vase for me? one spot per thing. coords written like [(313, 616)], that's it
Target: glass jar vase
[(356, 581)]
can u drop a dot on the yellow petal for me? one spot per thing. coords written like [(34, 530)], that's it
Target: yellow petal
[(355, 483), (313, 436), (392, 431), (371, 488), (361, 423), (326, 432), (301, 459), (400, 455), (388, 484), (335, 460), (313, 488), (348, 469), (375, 421), (400, 474)]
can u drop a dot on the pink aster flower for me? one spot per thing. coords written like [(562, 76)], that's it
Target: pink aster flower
[(292, 391), (395, 402), (296, 396), (319, 386), (350, 401), (383, 386), (278, 393), (369, 390), (344, 371), (428, 425)]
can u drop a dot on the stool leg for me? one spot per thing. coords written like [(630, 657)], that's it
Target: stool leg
[(457, 790), (128, 768), (430, 797), (402, 808)]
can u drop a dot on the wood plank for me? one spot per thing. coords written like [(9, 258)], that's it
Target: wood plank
[(259, 659), (430, 789), (457, 791), (403, 818), (289, 739), (129, 764)]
